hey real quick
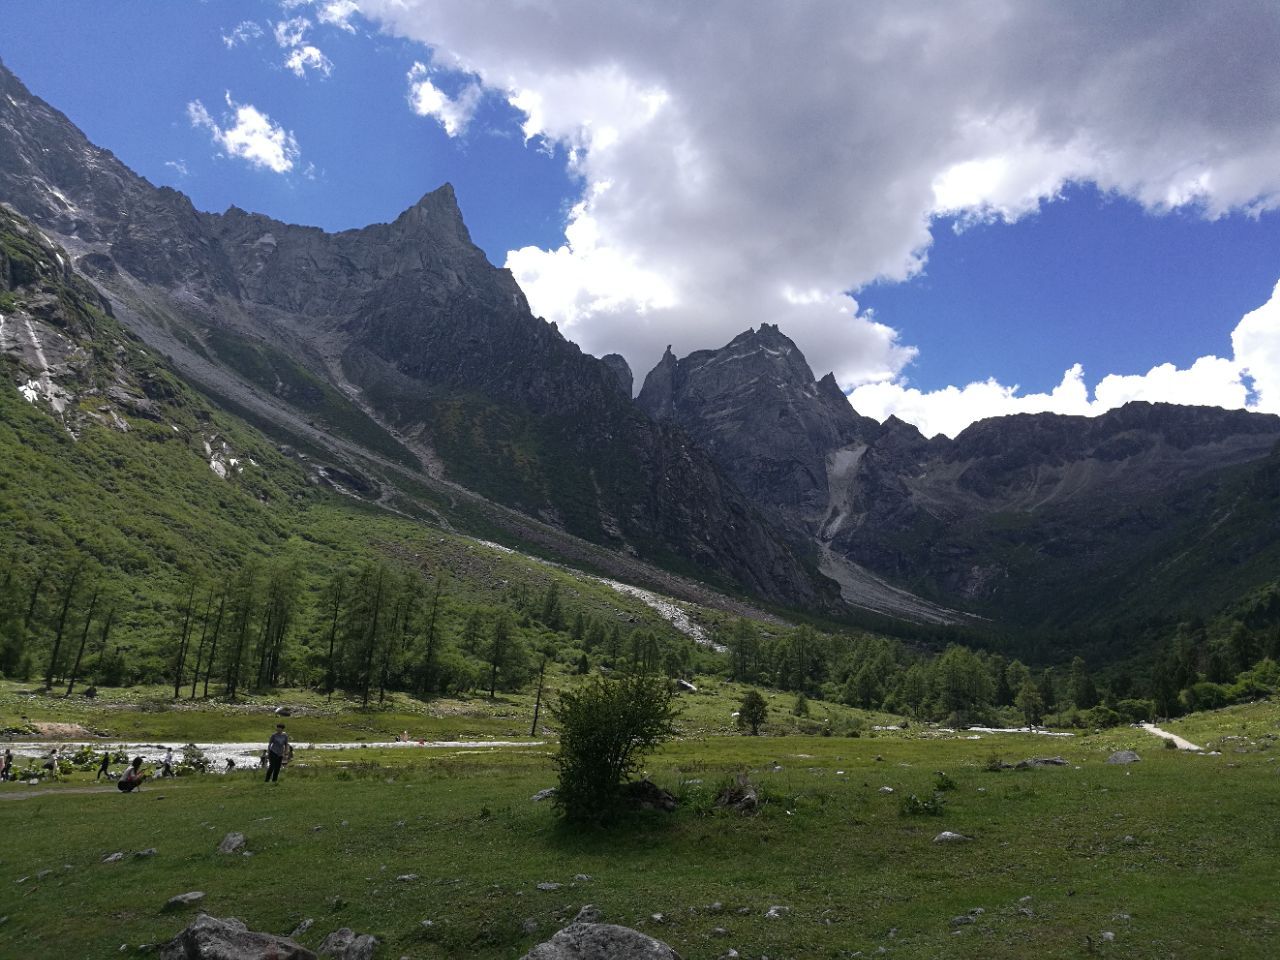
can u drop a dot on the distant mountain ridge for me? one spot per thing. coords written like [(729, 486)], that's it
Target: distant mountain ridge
[(1018, 518), (398, 354)]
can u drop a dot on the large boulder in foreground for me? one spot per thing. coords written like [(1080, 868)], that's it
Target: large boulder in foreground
[(209, 938), (601, 941)]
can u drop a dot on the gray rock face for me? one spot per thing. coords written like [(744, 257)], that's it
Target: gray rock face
[(1124, 756), (755, 406), (440, 345), (210, 938), (346, 944), (601, 941), (621, 371)]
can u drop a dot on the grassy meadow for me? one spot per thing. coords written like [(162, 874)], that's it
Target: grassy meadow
[(1173, 856)]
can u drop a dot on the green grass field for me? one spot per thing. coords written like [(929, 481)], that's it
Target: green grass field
[(1173, 856)]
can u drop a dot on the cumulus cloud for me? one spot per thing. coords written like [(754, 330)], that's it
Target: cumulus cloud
[(427, 100), (244, 32), (248, 133), (756, 162), (1248, 379)]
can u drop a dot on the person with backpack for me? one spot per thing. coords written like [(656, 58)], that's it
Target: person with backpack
[(105, 766)]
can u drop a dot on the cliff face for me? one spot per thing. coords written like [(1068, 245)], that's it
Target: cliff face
[(755, 407), (1028, 518), (398, 333)]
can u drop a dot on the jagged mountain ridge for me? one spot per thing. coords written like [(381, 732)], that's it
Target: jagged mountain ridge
[(1019, 518), (406, 340)]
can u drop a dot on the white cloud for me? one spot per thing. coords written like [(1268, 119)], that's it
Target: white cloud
[(301, 56), (248, 133), (428, 100), (291, 32), (306, 57), (752, 162), (244, 32), (179, 166), (338, 13), (1249, 379)]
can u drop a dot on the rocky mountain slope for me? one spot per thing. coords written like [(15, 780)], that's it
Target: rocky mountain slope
[(395, 350), (1030, 519)]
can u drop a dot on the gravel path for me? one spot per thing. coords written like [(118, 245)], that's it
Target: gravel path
[(1178, 741)]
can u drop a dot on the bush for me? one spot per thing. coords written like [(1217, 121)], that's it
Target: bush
[(1102, 716), (1136, 711), (752, 712), (606, 726)]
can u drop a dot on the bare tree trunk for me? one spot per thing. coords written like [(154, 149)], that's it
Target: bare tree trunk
[(84, 638), (183, 640), (62, 622)]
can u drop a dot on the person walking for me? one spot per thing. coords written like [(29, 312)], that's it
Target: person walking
[(6, 768), (166, 768), (105, 766), (277, 747)]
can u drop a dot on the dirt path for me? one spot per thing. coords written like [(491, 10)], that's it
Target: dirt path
[(18, 794), (1180, 743)]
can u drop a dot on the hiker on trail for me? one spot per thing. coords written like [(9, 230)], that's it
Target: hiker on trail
[(52, 763), (277, 747), (133, 777), (104, 766), (6, 768), (166, 767)]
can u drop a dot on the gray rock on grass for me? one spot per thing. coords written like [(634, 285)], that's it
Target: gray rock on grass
[(601, 941), (212, 938), (183, 900), (547, 794), (1124, 756), (232, 843), (950, 836), (346, 944)]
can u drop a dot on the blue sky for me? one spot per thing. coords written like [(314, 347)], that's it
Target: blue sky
[(998, 215)]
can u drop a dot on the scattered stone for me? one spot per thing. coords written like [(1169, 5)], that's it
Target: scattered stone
[(716, 907), (719, 932), (777, 912), (961, 920), (346, 944), (582, 878), (886, 789), (601, 941), (549, 885), (183, 900), (658, 917), (113, 857), (426, 924), (407, 877), (530, 925), (730, 954), (1026, 899), (590, 913), (1123, 756), (547, 794), (1108, 936), (1129, 838), (976, 912), (41, 874), (1041, 762), (302, 928), (878, 759), (232, 843), (647, 795), (948, 836), (149, 852), (283, 712), (744, 910), (217, 939), (1026, 911)]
